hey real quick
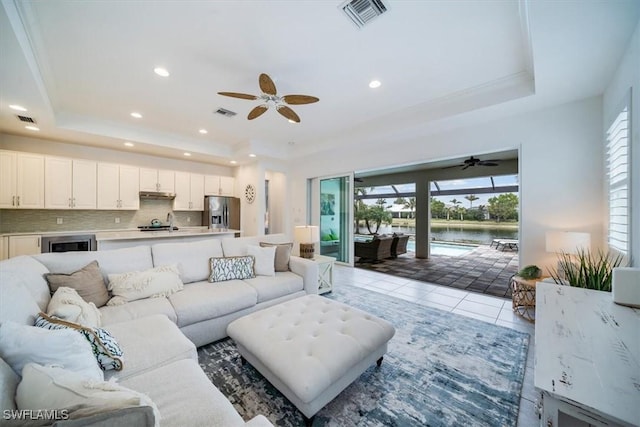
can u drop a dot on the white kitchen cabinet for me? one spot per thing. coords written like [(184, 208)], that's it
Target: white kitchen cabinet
[(118, 186), (21, 180), (69, 183), (215, 185), (24, 245), (189, 192), (157, 180)]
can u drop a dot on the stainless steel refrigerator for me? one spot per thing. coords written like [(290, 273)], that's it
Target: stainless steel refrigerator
[(221, 212)]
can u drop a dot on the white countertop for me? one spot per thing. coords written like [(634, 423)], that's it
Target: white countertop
[(141, 235)]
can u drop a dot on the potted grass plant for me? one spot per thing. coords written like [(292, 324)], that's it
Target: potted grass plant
[(586, 270)]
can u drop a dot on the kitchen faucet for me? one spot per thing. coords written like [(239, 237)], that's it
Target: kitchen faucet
[(170, 218)]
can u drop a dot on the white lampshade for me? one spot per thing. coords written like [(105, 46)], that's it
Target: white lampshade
[(569, 242), (307, 233)]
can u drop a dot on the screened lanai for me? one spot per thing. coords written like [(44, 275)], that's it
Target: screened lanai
[(453, 215)]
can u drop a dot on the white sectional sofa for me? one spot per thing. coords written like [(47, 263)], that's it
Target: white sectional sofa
[(159, 336)]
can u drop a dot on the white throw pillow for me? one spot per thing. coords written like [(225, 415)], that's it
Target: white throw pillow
[(264, 259), (22, 344), (156, 282), (68, 305), (52, 387)]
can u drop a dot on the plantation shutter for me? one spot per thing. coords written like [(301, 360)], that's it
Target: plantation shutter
[(617, 163)]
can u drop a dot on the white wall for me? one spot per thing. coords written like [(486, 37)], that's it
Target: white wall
[(561, 167), (627, 77)]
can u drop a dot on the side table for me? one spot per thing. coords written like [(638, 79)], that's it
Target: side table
[(325, 273), (523, 296)]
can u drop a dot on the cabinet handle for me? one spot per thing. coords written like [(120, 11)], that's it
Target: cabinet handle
[(38, 242), (13, 201), (73, 202), (18, 201)]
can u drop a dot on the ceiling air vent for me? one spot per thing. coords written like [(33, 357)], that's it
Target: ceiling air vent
[(361, 12), (225, 112), (26, 119)]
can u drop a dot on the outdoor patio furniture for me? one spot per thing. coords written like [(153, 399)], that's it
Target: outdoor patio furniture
[(399, 245), (507, 243), (376, 249)]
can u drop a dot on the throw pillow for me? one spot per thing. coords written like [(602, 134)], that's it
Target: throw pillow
[(283, 253), (229, 268), (56, 387), (104, 346), (68, 305), (88, 281), (22, 344), (264, 259), (153, 283)]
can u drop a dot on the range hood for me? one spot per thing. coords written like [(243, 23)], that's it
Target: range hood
[(157, 195)]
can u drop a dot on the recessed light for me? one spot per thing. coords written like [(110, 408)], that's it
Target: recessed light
[(128, 144), (187, 154), (233, 162), (203, 131), (136, 115), (161, 71), (17, 107), (292, 121), (252, 155), (35, 128), (374, 84)]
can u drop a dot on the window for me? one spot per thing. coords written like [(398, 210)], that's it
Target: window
[(617, 164)]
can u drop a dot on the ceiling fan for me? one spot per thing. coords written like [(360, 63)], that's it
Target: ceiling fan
[(474, 161), (269, 97)]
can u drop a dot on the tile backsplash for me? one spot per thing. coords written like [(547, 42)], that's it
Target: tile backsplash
[(37, 220)]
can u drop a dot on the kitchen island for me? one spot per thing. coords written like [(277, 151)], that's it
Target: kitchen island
[(124, 239)]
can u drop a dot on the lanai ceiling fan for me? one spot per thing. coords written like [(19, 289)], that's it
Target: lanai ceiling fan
[(269, 97), (474, 161)]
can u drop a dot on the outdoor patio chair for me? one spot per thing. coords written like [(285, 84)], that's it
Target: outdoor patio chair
[(399, 245), (376, 249)]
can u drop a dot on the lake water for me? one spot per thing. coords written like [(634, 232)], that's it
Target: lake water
[(459, 234)]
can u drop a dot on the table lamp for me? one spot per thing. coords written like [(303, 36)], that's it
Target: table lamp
[(307, 236), (566, 242)]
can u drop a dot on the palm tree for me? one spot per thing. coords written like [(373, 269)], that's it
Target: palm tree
[(471, 198), (411, 205)]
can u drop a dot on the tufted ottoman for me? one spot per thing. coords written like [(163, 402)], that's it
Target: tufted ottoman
[(311, 348)]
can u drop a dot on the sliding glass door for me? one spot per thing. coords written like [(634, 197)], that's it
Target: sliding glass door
[(336, 218)]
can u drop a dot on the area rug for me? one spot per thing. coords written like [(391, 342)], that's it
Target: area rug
[(441, 369)]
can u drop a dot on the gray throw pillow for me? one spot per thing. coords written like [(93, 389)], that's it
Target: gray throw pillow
[(87, 281), (283, 253)]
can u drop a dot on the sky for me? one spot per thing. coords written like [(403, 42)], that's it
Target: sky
[(471, 183)]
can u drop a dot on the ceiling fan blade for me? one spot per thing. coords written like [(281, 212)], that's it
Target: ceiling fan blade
[(451, 167), (266, 84), (466, 166), (487, 163), (238, 95), (299, 99), (257, 111), (288, 113)]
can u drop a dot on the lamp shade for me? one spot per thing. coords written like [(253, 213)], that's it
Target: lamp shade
[(307, 233), (569, 242)]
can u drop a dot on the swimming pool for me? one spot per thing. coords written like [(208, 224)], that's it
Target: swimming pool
[(444, 248)]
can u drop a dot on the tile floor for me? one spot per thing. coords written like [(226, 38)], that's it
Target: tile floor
[(478, 306), (484, 270)]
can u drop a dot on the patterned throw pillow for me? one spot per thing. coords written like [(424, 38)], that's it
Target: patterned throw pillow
[(105, 348), (229, 268)]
